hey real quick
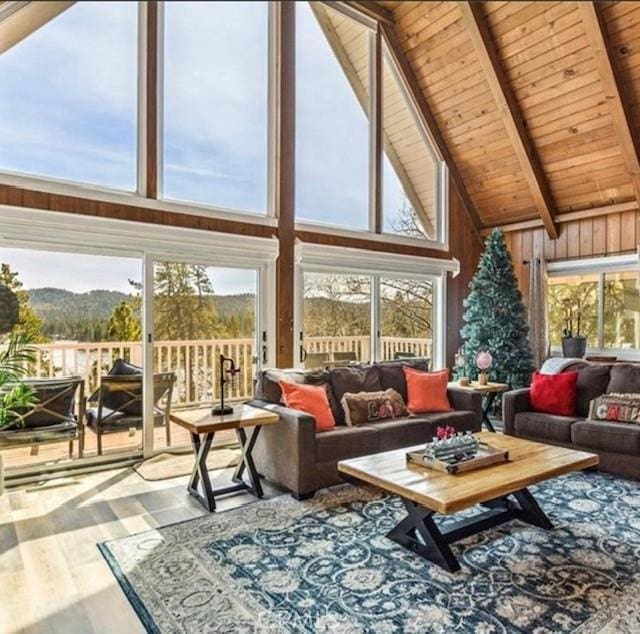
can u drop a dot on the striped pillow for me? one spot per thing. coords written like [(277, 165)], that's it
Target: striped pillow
[(616, 407)]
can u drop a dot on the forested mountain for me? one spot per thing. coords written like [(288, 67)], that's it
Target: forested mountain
[(84, 316)]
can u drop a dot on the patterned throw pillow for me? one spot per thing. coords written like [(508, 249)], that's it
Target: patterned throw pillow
[(616, 407), (370, 407)]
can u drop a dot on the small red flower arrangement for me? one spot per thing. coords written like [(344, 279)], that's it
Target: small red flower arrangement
[(442, 433)]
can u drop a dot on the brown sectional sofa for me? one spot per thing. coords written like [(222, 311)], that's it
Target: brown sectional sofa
[(293, 455), (617, 444)]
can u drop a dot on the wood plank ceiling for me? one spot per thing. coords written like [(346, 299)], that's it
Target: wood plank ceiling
[(546, 116)]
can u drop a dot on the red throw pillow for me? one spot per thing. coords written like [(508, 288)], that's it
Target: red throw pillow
[(427, 391), (311, 399), (554, 393)]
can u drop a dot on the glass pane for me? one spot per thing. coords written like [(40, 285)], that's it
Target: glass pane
[(573, 305), (201, 313), (216, 103), (337, 318), (621, 310), (85, 326), (410, 169), (69, 97), (406, 314), (332, 127)]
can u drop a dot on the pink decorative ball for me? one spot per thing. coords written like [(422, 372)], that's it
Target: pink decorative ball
[(484, 360)]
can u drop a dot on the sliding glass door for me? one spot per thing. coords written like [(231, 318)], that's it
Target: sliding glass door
[(79, 316), (200, 314)]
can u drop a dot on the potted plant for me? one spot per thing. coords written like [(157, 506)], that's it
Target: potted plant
[(574, 345), (15, 396)]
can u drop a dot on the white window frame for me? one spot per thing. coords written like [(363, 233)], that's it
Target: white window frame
[(314, 258), (38, 230), (598, 266)]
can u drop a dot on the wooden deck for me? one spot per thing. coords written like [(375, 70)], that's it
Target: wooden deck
[(112, 443)]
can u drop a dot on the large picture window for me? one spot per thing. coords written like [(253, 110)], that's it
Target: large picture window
[(332, 118), (68, 102), (216, 71), (602, 305)]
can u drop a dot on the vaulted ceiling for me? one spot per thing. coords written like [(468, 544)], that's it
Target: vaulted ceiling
[(538, 103)]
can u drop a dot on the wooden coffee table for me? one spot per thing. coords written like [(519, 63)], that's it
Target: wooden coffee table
[(501, 488), (202, 426)]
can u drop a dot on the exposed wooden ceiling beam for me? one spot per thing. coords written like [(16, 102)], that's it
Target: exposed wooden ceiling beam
[(616, 99), (20, 19), (570, 216), (362, 95), (411, 83), (477, 29)]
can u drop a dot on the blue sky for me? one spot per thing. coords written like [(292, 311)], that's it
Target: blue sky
[(68, 109)]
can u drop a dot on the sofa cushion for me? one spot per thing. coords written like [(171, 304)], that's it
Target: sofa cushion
[(544, 426), (405, 432), (354, 380), (268, 388), (346, 442), (621, 438), (373, 407), (427, 391), (311, 399), (420, 429), (620, 408), (392, 374), (625, 377), (32, 436), (554, 393), (593, 379)]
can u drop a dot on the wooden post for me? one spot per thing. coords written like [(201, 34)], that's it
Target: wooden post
[(285, 182)]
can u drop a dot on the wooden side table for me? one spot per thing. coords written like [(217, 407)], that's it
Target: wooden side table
[(488, 393), (202, 425)]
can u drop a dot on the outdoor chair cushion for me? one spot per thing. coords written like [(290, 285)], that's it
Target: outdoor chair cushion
[(35, 435), (121, 400), (58, 399), (113, 420)]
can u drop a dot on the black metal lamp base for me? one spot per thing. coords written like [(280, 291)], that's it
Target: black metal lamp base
[(221, 410)]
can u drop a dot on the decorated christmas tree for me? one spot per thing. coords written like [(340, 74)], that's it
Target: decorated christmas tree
[(495, 318)]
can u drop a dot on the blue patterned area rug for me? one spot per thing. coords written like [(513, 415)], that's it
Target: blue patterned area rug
[(325, 566)]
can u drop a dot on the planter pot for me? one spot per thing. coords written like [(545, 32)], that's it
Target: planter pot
[(574, 347)]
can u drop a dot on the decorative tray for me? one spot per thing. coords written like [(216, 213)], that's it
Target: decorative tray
[(485, 456)]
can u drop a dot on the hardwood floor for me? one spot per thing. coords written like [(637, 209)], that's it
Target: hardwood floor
[(54, 579)]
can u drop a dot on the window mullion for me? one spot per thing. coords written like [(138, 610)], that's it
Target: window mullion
[(375, 318), (601, 311), (375, 132)]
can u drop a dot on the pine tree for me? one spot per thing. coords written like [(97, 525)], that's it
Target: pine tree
[(29, 324), (123, 325), (495, 317)]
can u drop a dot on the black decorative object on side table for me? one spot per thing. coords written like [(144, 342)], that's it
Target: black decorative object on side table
[(227, 367)]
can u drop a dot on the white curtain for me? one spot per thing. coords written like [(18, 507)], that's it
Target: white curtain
[(537, 312)]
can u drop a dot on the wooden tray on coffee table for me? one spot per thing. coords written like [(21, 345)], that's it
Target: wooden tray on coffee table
[(485, 457)]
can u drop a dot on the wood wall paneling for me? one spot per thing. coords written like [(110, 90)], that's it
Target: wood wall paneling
[(602, 235)]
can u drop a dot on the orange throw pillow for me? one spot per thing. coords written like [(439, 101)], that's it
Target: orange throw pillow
[(427, 391), (311, 399)]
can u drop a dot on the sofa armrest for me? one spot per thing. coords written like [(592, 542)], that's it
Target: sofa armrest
[(286, 450), (513, 402), (465, 400)]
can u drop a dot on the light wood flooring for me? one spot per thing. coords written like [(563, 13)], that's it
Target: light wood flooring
[(52, 576)]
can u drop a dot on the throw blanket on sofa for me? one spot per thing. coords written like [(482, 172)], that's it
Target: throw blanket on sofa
[(555, 365)]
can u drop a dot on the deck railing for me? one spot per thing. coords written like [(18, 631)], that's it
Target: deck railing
[(195, 363)]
